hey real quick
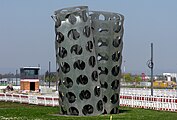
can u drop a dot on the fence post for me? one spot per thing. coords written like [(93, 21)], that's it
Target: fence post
[(132, 100), (45, 100), (53, 101), (20, 98), (5, 97)]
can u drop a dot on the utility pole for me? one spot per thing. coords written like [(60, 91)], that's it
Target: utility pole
[(124, 71), (49, 74), (151, 65), (56, 76), (16, 76)]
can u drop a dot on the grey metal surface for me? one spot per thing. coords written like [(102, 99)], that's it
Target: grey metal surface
[(108, 33), (79, 86)]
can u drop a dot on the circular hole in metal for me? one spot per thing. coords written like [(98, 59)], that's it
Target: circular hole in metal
[(59, 37), (103, 70), (62, 52), (64, 11), (68, 82), (105, 112), (105, 99), (92, 61), (102, 30), (84, 94), (86, 31), (77, 9), (73, 34), (114, 98), (82, 79), (114, 111), (117, 41), (102, 42), (115, 70), (73, 111), (116, 56), (84, 16), (61, 97), (59, 82), (91, 12), (102, 56), (114, 18), (101, 17), (109, 19), (100, 105), (71, 97), (115, 84), (97, 91), (79, 64), (104, 85), (76, 49), (92, 28), (71, 18), (58, 69), (117, 27), (87, 109), (95, 76), (65, 68), (89, 46)]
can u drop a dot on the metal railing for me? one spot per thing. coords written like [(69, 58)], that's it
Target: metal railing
[(147, 91), (166, 103), (30, 99), (161, 100)]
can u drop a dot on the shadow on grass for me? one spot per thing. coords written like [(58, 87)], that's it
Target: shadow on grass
[(124, 111)]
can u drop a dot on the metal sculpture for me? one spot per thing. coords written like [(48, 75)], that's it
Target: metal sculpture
[(79, 87), (88, 52), (108, 33)]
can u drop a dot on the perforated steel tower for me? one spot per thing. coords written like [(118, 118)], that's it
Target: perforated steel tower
[(79, 87), (89, 55), (108, 33)]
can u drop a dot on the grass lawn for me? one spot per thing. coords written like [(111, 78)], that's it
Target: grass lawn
[(16, 111)]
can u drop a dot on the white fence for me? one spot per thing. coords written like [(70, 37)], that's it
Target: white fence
[(133, 98), (30, 99), (147, 91), (162, 99), (149, 102)]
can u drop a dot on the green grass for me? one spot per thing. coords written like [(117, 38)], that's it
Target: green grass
[(16, 111)]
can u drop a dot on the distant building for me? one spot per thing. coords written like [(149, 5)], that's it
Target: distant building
[(145, 84), (13, 81), (29, 78), (170, 76), (163, 84)]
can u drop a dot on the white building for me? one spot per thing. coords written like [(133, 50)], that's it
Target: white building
[(170, 76)]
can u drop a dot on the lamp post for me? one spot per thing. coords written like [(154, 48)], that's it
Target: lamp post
[(124, 71), (16, 76), (150, 64), (49, 74)]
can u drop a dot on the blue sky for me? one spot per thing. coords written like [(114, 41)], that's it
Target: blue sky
[(27, 32)]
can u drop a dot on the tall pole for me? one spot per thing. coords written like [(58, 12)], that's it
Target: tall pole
[(16, 76), (56, 77), (49, 74), (124, 71), (151, 69)]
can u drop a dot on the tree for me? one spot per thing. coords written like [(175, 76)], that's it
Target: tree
[(128, 77), (50, 76), (137, 78)]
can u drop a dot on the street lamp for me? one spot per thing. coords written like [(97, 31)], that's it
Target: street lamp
[(150, 64), (124, 71)]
